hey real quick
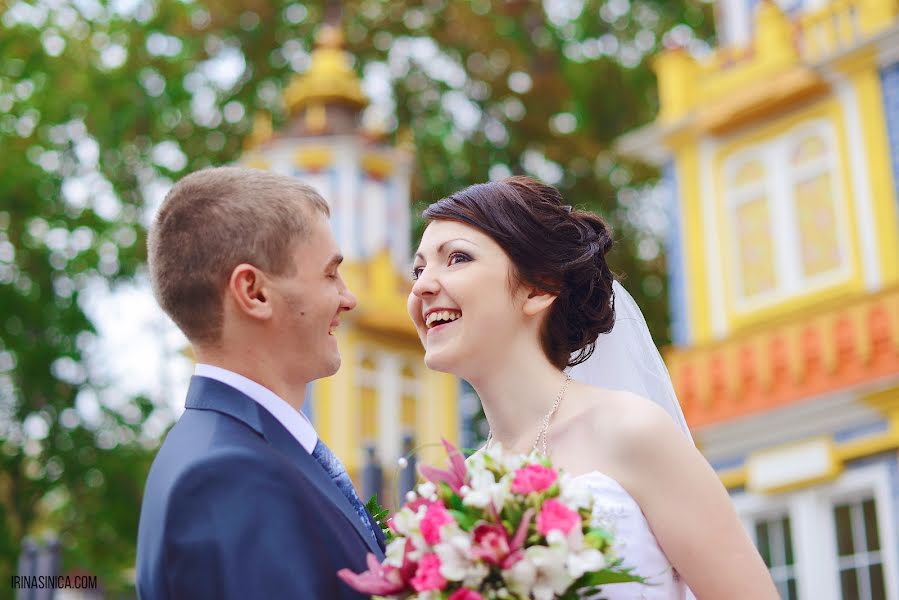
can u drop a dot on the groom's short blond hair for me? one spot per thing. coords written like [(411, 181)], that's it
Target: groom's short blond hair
[(210, 222)]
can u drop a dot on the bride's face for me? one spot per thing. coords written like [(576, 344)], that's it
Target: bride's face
[(461, 302)]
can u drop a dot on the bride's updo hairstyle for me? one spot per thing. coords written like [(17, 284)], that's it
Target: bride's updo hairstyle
[(553, 248)]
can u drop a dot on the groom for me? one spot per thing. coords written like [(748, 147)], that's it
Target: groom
[(243, 500)]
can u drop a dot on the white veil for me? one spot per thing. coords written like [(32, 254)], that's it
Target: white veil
[(627, 359)]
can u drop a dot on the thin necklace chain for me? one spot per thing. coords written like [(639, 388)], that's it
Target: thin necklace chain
[(546, 419)]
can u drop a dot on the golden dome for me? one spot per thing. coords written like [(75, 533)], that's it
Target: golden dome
[(329, 78)]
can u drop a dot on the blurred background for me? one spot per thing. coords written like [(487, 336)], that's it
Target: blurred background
[(745, 152)]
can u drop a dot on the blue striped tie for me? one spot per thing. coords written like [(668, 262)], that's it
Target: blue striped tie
[(336, 471)]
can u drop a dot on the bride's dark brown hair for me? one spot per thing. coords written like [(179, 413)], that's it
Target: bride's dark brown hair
[(553, 248)]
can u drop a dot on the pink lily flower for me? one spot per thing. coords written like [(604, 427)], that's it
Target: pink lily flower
[(516, 545), (493, 544), (379, 580), (455, 477), (382, 580)]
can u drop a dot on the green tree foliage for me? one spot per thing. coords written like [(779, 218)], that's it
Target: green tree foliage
[(104, 104)]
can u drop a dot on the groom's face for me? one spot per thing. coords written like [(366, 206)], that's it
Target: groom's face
[(307, 304)]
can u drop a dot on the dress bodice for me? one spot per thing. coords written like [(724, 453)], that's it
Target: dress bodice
[(616, 511)]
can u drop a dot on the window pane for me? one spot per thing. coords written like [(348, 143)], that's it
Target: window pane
[(844, 530), (810, 148), (788, 541), (755, 247), (818, 238), (871, 532), (791, 590), (749, 173), (849, 584), (878, 588), (761, 536)]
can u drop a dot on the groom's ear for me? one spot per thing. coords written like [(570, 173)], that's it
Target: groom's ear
[(247, 288), (537, 301)]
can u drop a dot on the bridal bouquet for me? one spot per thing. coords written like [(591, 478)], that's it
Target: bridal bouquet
[(500, 526)]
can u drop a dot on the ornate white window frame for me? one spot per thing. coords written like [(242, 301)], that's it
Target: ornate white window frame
[(779, 177), (813, 529)]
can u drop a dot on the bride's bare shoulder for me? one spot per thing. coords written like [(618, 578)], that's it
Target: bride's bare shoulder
[(623, 416)]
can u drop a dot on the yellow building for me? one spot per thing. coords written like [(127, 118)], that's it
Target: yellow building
[(780, 153), (383, 391)]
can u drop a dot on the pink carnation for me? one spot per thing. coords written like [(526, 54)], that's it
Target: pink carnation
[(428, 576), (436, 516), (465, 594), (533, 478), (555, 515)]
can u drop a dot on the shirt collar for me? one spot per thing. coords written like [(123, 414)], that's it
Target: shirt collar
[(293, 420)]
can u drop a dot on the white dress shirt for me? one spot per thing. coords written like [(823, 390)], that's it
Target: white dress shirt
[(293, 420)]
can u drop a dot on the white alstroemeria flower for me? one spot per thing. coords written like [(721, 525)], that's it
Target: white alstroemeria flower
[(573, 542), (521, 577), (476, 575), (454, 553), (552, 577), (575, 493), (486, 490), (586, 561), (475, 462), (394, 552), (495, 452), (556, 538), (506, 461), (456, 563), (427, 490), (406, 522), (512, 462)]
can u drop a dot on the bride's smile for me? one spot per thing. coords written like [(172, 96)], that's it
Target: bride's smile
[(463, 303)]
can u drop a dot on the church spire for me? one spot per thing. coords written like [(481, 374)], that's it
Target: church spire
[(328, 97)]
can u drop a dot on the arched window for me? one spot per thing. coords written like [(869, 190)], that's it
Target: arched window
[(754, 240), (813, 194), (786, 218)]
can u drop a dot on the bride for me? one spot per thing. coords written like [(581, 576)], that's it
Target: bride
[(511, 292)]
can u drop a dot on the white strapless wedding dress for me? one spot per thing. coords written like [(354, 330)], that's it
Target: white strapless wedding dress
[(616, 511)]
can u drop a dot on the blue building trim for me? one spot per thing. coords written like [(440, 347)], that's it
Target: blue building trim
[(677, 268), (860, 431), (889, 83), (726, 464)]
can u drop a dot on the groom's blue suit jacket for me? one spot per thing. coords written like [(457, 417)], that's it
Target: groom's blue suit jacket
[(235, 507)]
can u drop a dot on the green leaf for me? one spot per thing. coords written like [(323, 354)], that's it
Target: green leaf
[(465, 520), (380, 516), (607, 576), (598, 538)]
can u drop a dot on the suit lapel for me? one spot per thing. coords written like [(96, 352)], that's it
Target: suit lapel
[(209, 394), (281, 439)]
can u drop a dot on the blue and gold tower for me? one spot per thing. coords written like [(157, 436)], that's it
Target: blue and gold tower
[(780, 154), (383, 392)]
